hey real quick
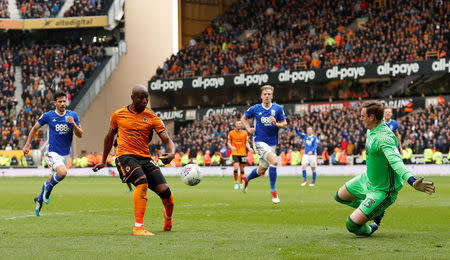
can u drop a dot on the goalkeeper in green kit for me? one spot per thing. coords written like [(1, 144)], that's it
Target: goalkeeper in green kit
[(372, 192)]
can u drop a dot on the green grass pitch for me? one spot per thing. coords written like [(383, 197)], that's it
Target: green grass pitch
[(92, 218)]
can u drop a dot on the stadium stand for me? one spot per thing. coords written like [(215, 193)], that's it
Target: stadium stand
[(45, 68), (263, 36), (85, 8), (39, 8), (4, 13)]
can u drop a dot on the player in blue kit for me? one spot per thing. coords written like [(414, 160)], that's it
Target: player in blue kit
[(62, 124), (310, 155), (269, 117), (393, 125)]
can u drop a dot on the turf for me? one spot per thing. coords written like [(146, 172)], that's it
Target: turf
[(92, 217)]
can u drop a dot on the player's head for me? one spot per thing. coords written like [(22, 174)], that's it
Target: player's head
[(387, 113), (60, 101), (238, 125), (266, 94), (139, 96), (372, 113), (309, 130)]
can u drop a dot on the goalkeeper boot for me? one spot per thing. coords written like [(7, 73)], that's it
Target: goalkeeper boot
[(244, 189), (141, 231), (38, 207), (377, 220), (167, 221), (374, 228)]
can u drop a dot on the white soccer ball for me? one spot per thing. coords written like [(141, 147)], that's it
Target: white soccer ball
[(191, 174)]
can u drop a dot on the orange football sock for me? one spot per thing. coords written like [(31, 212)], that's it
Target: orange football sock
[(235, 175), (168, 205), (240, 177), (140, 202)]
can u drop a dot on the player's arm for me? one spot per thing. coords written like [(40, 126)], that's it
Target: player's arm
[(229, 143), (76, 127), (247, 144), (302, 135), (282, 124), (107, 145), (245, 123), (170, 147), (34, 129), (389, 149)]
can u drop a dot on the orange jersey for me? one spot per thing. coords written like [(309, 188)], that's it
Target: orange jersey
[(238, 140), (135, 130)]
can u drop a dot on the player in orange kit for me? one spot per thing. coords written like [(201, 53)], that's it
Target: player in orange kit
[(238, 143)]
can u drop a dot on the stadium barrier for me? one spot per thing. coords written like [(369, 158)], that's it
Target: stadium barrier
[(334, 170)]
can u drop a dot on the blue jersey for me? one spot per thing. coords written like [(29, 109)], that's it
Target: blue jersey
[(392, 124), (311, 142), (266, 131), (60, 132)]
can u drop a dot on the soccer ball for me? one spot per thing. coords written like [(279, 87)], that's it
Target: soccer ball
[(191, 174)]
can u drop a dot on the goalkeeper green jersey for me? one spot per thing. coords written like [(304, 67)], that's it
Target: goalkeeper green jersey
[(385, 168)]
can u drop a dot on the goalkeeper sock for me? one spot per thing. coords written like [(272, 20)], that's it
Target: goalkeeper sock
[(140, 203), (272, 177), (168, 205), (314, 177), (354, 204), (360, 230), (304, 175), (252, 175), (235, 172)]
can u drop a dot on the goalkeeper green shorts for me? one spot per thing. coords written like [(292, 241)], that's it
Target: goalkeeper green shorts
[(374, 201)]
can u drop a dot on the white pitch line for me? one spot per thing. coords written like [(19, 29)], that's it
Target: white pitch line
[(63, 213)]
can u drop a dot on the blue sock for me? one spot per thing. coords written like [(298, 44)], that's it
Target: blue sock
[(314, 177), (273, 177), (253, 174), (42, 191), (55, 179), (304, 175)]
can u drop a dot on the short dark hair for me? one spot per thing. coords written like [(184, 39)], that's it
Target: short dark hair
[(60, 93), (375, 108)]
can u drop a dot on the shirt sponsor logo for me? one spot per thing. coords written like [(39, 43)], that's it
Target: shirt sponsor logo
[(166, 85), (342, 73), (396, 69), (295, 76), (248, 80)]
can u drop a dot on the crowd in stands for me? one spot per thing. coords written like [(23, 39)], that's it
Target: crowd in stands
[(4, 13), (276, 35), (39, 8), (85, 8), (46, 68)]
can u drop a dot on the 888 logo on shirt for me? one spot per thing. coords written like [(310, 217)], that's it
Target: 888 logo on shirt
[(62, 128), (266, 120)]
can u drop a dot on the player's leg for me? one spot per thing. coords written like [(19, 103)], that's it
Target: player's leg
[(158, 184), (235, 171), (59, 172), (313, 165), (241, 174), (304, 165), (131, 171), (262, 149), (373, 206), (353, 192), (273, 163)]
